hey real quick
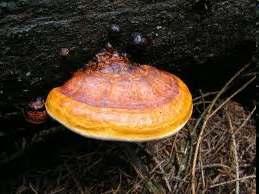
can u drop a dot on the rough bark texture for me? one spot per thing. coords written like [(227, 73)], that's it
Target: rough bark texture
[(183, 33)]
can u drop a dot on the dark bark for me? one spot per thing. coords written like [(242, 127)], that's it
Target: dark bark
[(183, 34)]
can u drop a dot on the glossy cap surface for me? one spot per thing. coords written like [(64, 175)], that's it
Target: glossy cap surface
[(115, 100)]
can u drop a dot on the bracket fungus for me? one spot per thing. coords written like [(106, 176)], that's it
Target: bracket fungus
[(113, 99), (35, 112)]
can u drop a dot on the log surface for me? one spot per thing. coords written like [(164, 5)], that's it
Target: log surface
[(32, 32)]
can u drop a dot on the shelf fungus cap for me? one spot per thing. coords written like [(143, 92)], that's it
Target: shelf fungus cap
[(112, 99)]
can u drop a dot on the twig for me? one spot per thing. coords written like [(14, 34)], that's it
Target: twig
[(118, 187), (246, 120), (208, 116), (205, 95), (57, 190), (235, 152), (188, 161), (72, 174), (234, 94), (33, 189), (226, 85), (202, 173), (232, 181), (201, 102), (156, 167), (215, 165), (202, 99), (164, 177)]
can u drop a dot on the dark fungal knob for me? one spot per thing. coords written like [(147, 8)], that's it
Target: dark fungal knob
[(137, 39), (138, 46), (115, 28)]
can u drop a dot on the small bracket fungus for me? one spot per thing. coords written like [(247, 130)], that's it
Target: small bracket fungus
[(112, 99), (35, 112)]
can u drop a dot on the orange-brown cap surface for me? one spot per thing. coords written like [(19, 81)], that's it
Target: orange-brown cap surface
[(115, 100)]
